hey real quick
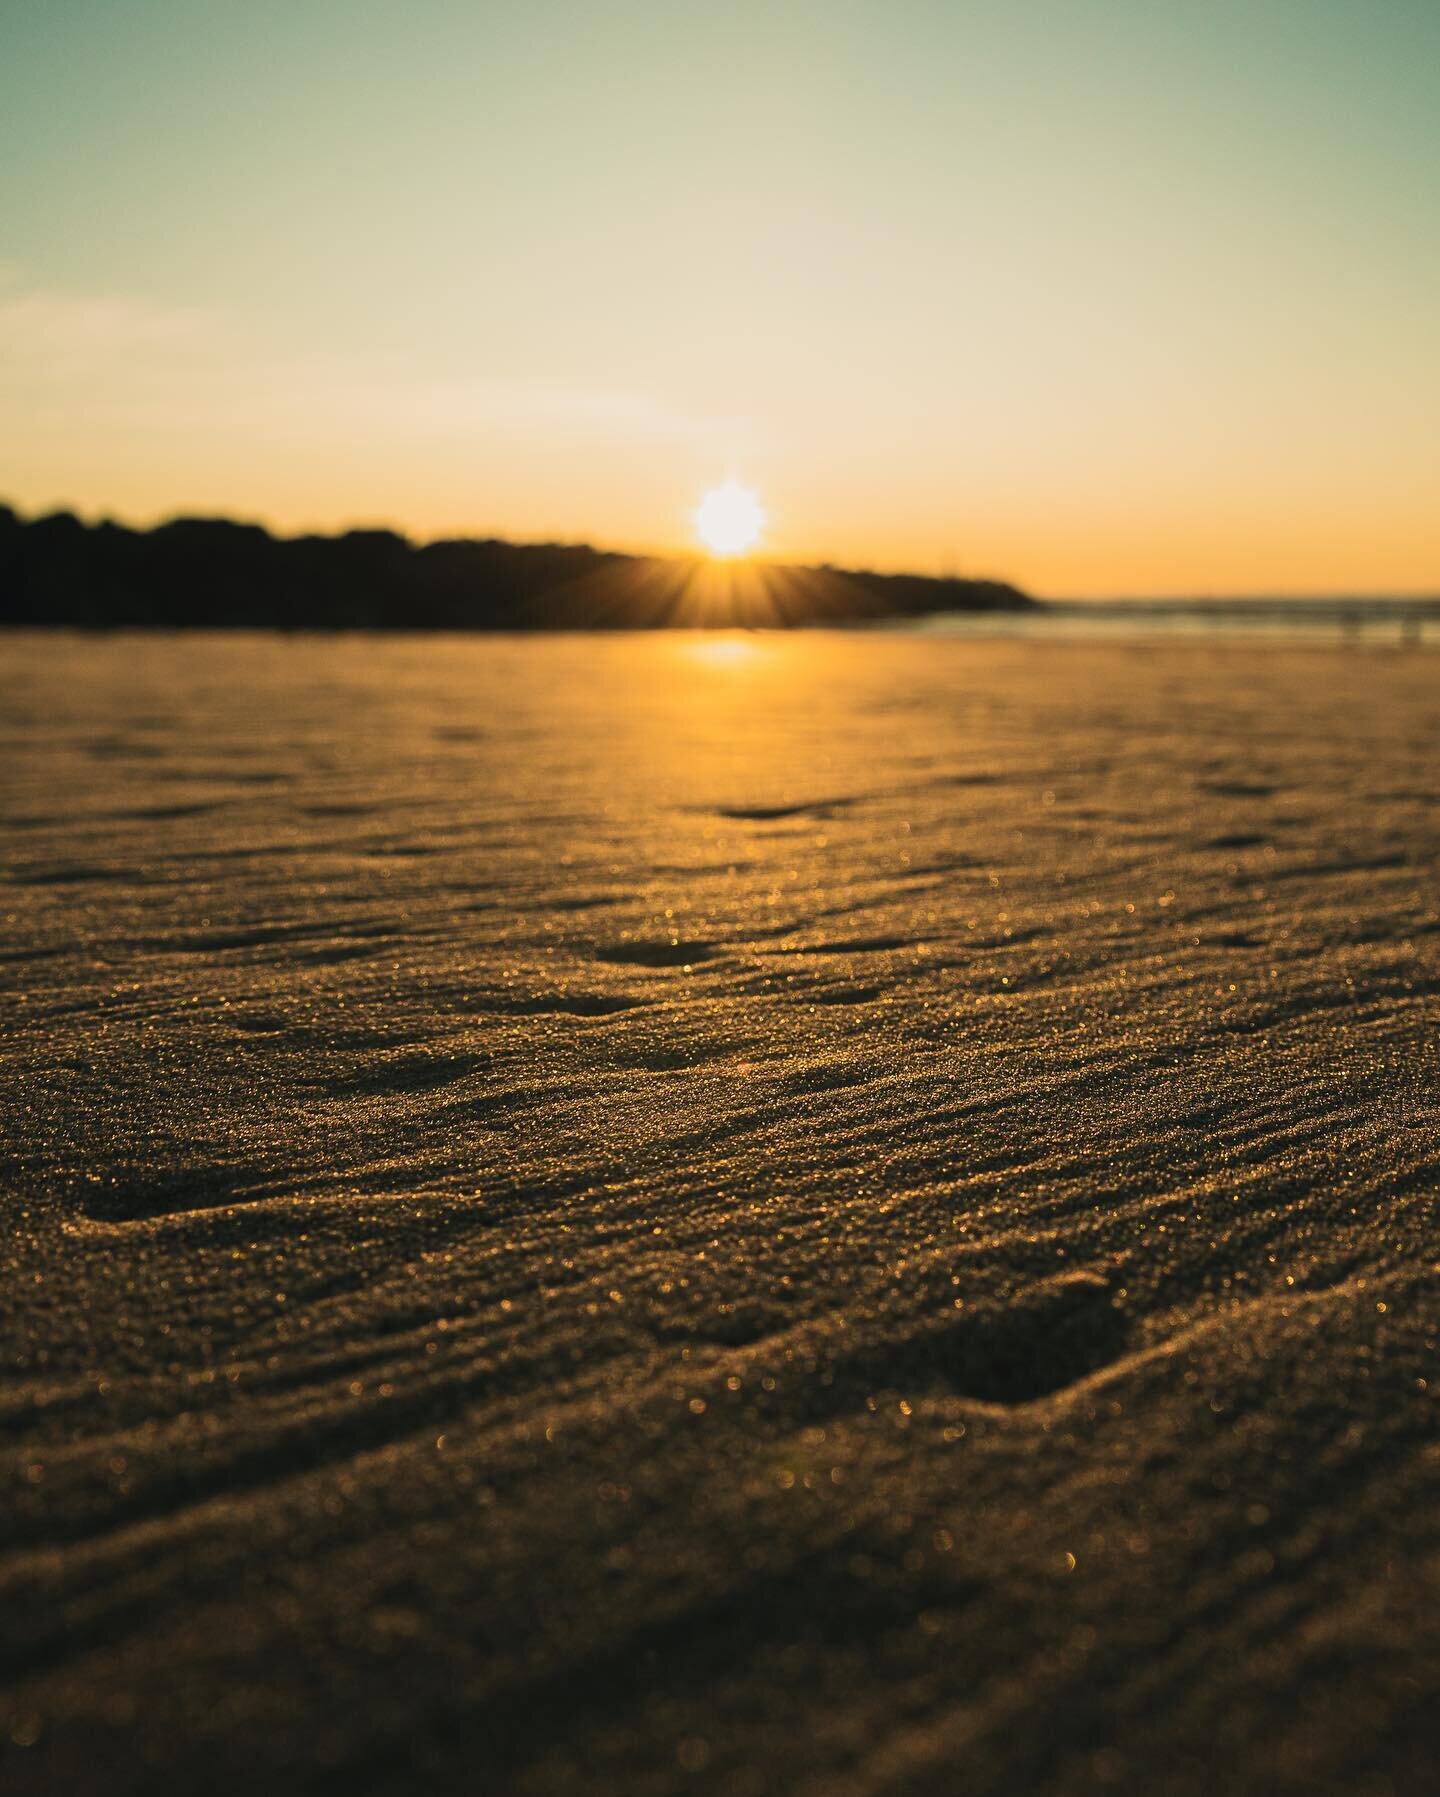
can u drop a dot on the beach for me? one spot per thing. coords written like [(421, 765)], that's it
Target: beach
[(822, 1213)]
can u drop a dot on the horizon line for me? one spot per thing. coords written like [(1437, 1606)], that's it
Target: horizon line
[(92, 517)]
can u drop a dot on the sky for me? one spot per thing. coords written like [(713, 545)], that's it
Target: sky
[(1099, 296)]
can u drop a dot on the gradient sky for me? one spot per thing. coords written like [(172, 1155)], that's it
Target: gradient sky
[(1104, 296)]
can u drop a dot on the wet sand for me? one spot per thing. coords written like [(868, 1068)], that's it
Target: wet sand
[(822, 1214)]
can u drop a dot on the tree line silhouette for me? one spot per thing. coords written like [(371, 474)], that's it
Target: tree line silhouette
[(213, 572)]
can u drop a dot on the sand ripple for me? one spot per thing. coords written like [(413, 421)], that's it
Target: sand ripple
[(852, 1217)]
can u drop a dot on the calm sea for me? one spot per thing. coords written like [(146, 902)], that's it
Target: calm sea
[(1403, 623)]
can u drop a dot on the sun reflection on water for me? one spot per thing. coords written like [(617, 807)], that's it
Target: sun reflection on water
[(725, 649)]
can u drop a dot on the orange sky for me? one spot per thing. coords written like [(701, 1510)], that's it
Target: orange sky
[(1100, 301)]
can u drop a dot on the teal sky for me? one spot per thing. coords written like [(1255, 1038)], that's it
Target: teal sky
[(1100, 295)]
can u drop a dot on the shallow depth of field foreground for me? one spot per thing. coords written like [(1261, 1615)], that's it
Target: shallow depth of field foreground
[(816, 1214)]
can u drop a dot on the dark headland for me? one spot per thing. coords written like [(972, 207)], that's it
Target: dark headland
[(58, 570)]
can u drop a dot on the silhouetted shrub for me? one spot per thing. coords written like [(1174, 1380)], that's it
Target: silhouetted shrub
[(191, 572)]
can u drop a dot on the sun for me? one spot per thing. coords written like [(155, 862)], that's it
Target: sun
[(729, 520)]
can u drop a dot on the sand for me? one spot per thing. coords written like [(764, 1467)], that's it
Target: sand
[(804, 1214)]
